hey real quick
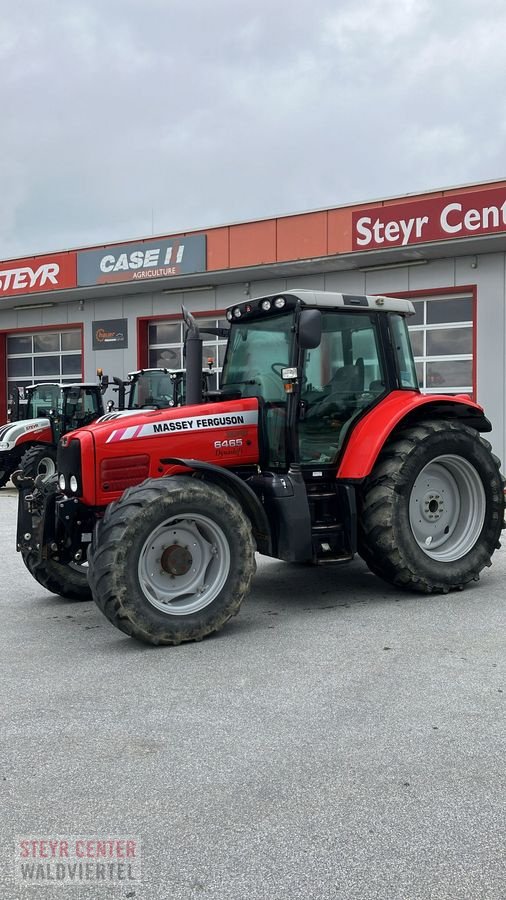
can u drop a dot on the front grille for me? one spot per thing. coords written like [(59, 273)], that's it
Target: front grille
[(122, 472)]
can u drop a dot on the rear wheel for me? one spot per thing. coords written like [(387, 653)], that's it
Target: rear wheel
[(172, 560), (39, 460), (69, 581), (432, 509)]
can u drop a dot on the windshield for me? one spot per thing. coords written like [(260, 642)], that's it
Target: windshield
[(257, 352), (42, 399)]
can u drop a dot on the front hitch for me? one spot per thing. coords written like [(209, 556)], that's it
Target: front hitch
[(36, 513)]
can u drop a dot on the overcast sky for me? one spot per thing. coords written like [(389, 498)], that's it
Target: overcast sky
[(124, 118)]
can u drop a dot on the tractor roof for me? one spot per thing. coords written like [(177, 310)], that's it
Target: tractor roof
[(323, 300)]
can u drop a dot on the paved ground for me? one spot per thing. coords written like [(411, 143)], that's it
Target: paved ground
[(338, 740)]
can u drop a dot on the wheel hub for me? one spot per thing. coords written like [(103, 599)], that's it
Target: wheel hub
[(432, 506), (176, 560), (184, 564)]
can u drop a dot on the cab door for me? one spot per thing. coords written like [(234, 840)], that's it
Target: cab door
[(343, 376)]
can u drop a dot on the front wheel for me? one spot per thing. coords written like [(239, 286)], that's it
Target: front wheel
[(172, 560), (69, 581), (432, 509), (39, 460)]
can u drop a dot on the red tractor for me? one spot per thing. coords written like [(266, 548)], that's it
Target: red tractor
[(317, 446)]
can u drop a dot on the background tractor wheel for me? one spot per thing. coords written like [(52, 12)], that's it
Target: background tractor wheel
[(432, 509), (69, 581), (172, 560), (39, 461), (4, 477)]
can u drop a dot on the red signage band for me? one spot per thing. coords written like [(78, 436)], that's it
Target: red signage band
[(38, 273), (437, 219)]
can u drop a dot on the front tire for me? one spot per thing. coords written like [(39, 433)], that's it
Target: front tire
[(432, 509), (69, 581), (172, 560), (39, 460)]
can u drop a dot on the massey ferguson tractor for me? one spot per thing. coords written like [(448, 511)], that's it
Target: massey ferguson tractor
[(317, 446)]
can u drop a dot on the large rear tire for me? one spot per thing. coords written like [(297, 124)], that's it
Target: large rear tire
[(69, 581), (431, 512), (39, 460), (172, 560)]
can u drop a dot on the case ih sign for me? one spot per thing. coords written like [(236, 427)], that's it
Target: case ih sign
[(40, 273), (438, 219), (138, 262)]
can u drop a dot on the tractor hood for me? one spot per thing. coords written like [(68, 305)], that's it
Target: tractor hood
[(107, 457), (16, 433)]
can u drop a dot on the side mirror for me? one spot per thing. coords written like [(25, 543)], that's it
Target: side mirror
[(310, 329)]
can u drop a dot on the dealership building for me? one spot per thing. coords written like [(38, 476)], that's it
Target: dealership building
[(118, 306)]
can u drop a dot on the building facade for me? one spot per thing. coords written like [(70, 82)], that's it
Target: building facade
[(118, 307)]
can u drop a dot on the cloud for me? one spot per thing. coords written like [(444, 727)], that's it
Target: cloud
[(119, 118)]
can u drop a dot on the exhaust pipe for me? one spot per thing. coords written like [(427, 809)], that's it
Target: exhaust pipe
[(193, 360)]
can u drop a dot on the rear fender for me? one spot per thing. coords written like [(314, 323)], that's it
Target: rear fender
[(401, 409), (238, 489)]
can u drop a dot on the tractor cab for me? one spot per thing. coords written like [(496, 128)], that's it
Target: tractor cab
[(81, 404), (316, 369), (155, 389), (40, 400)]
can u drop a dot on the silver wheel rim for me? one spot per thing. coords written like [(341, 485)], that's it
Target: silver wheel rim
[(46, 467), (447, 508), (184, 564)]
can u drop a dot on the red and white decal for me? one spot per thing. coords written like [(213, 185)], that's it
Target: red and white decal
[(203, 422)]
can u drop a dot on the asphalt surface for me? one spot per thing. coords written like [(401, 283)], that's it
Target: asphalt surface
[(339, 739)]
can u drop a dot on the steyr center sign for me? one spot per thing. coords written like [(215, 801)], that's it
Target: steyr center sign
[(435, 219)]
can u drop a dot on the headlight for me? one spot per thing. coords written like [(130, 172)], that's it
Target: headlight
[(237, 313), (4, 445), (73, 484), (229, 314), (279, 302), (266, 305), (61, 482)]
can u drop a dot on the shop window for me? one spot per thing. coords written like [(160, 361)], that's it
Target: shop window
[(166, 346), (70, 340), (20, 367), (46, 367), (43, 356), (449, 373), (440, 312), (441, 333), (449, 341), (45, 342), (71, 365), (20, 344)]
